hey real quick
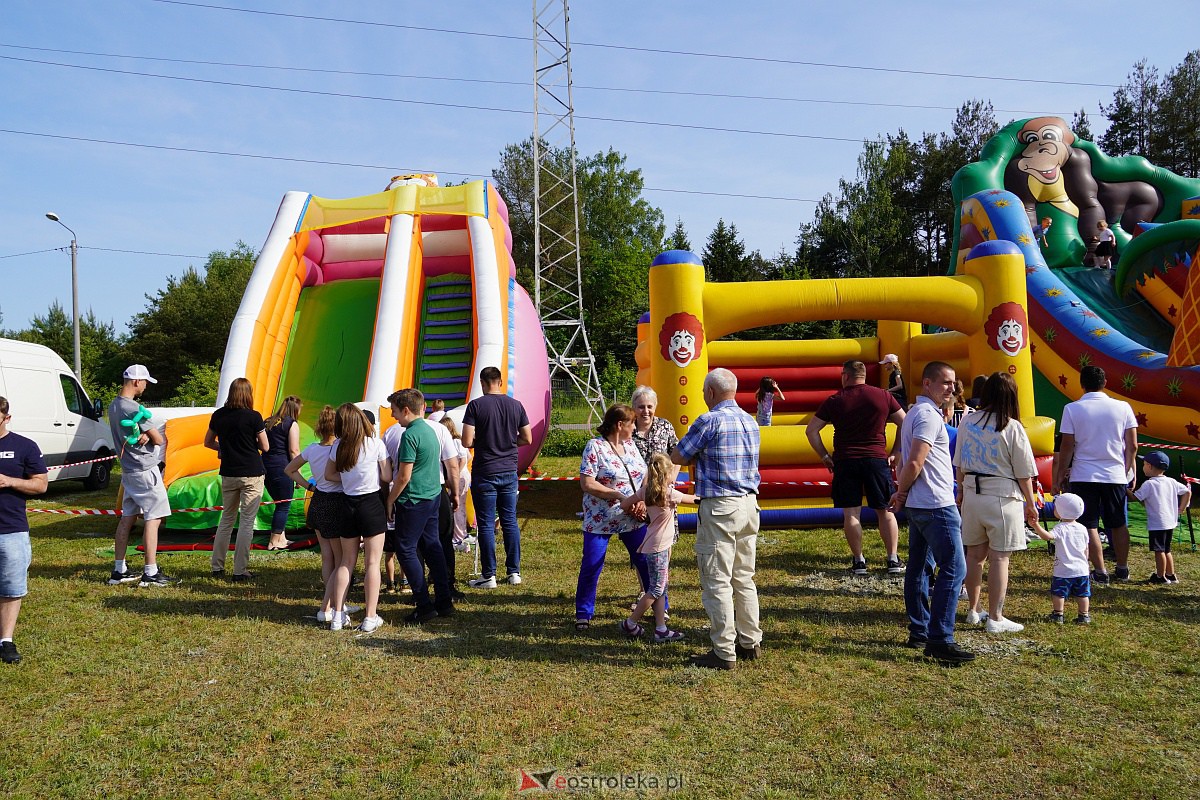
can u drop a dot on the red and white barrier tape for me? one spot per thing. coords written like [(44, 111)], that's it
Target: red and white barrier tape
[(110, 512), (1187, 447), (81, 463)]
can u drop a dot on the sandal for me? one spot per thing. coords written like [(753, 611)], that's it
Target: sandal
[(632, 632), (582, 625)]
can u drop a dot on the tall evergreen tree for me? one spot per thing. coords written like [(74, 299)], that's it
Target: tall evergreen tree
[(1132, 114), (1176, 139), (678, 240), (1082, 126), (725, 254)]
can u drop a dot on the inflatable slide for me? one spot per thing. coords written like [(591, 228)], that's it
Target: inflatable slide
[(1139, 321), (352, 299)]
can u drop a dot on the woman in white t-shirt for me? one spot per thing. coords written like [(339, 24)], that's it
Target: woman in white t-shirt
[(464, 482), (994, 467), (359, 463), (326, 507)]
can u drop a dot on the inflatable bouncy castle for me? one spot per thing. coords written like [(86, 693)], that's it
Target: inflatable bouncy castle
[(1028, 304), (352, 299)]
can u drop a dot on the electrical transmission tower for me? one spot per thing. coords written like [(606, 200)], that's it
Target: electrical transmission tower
[(558, 291)]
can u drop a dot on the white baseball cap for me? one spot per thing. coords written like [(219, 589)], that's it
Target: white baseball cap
[(138, 372), (1068, 506), (890, 358)]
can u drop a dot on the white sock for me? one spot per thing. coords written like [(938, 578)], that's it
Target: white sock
[(119, 566), (2, 641), (151, 570)]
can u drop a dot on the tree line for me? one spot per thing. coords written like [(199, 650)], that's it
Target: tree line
[(892, 216)]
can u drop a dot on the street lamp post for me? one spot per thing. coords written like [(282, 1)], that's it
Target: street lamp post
[(74, 293)]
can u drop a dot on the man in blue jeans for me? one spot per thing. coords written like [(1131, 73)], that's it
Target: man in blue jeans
[(494, 426), (925, 488)]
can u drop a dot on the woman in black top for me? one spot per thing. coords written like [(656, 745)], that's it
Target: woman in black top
[(238, 434), (283, 435)]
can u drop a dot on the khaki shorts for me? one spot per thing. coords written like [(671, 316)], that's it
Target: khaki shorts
[(145, 494), (998, 522)]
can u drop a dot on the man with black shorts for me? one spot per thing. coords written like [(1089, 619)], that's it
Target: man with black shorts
[(1095, 461), (861, 464)]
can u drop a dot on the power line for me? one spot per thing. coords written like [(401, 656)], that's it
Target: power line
[(433, 103), (521, 84), (31, 252), (349, 164), (651, 50), (104, 249)]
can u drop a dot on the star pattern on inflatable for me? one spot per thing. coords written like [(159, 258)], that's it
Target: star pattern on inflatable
[(1053, 292), (1099, 333), (995, 191), (1193, 430), (1031, 270), (1174, 387), (1025, 238), (1087, 313), (1001, 203), (1128, 380), (986, 233), (1050, 335), (1142, 419), (1145, 354), (1062, 381), (1193, 211), (1084, 360), (1172, 310)]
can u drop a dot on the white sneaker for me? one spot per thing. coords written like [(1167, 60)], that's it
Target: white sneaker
[(1003, 625), (323, 617), (371, 623), (483, 583), (962, 593), (976, 617), (514, 578), (338, 620)]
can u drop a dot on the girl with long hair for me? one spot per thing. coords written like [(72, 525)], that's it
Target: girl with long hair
[(359, 463), (464, 483), (283, 434), (995, 468), (238, 434), (764, 398)]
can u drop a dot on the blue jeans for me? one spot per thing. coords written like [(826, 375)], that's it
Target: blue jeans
[(417, 528), (934, 537), (280, 487), (492, 495), (594, 548)]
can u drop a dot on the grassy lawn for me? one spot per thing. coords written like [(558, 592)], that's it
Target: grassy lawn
[(212, 689)]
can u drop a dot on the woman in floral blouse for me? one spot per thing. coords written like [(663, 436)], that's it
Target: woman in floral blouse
[(611, 469), (651, 434)]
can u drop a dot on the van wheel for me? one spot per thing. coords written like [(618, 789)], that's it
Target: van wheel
[(101, 473)]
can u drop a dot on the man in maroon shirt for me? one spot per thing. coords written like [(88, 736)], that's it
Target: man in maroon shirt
[(860, 462)]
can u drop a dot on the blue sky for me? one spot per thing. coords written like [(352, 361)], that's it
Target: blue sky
[(188, 204)]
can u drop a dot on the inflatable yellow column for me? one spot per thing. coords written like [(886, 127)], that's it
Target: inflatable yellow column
[(1001, 342), (676, 342)]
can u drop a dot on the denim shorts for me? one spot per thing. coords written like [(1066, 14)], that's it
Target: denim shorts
[(1079, 586), (16, 553)]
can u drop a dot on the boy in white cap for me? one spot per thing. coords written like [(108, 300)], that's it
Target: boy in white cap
[(145, 493), (1165, 499), (1071, 568)]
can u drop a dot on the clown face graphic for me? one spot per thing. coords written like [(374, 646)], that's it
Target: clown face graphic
[(682, 348), (1009, 337)]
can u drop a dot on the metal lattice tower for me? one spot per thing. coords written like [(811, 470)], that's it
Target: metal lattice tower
[(558, 291)]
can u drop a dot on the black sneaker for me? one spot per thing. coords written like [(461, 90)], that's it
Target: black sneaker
[(9, 654), (747, 653), (159, 578), (948, 653), (242, 577), (1156, 579), (915, 643), (1083, 619), (1121, 574), (1055, 617), (1172, 579), (858, 566), (128, 576), (1100, 578), (421, 615), (895, 566)]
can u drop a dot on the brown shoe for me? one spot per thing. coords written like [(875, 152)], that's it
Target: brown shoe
[(711, 660), (748, 653)]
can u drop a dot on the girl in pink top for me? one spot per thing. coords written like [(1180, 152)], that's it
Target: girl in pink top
[(661, 497)]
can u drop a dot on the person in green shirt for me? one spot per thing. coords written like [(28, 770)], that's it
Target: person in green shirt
[(414, 503)]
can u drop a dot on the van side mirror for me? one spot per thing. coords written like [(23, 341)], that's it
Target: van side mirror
[(97, 409)]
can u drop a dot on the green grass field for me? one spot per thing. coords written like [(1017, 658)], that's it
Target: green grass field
[(212, 689)]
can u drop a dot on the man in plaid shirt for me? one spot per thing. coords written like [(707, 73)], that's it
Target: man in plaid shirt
[(723, 446)]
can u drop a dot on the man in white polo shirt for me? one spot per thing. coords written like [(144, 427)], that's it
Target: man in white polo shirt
[(1097, 457)]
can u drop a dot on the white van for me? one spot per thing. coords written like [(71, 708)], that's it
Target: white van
[(50, 407)]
